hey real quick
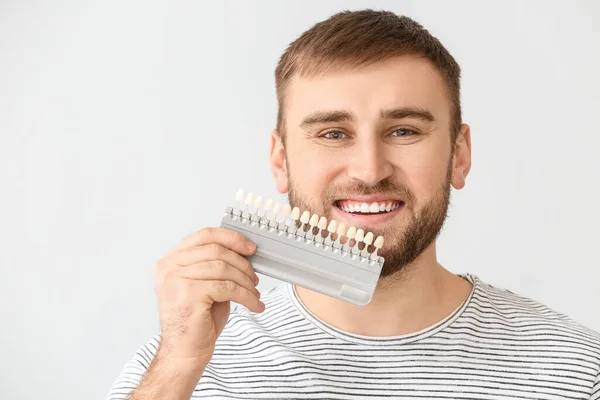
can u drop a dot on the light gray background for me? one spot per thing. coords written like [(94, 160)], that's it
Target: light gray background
[(126, 125)]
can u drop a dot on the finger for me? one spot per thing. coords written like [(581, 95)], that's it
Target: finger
[(217, 270), (220, 291), (232, 240), (213, 252)]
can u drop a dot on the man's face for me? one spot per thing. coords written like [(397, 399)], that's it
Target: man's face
[(379, 136)]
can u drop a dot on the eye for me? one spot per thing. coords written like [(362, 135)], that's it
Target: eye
[(335, 135), (403, 132)]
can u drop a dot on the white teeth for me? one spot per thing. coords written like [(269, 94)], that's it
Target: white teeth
[(365, 208)]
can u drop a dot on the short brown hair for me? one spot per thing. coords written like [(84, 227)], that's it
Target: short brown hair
[(359, 38)]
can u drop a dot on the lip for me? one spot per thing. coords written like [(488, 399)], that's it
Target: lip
[(365, 220)]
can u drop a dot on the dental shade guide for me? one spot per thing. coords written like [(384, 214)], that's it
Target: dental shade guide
[(288, 249)]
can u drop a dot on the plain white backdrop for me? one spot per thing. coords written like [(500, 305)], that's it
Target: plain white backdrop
[(127, 125)]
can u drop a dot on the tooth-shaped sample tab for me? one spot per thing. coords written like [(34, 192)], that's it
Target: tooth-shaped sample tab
[(257, 203), (349, 236), (378, 243), (351, 232), (368, 240), (239, 196), (322, 223), (290, 225), (340, 232), (269, 205), (295, 214), (305, 217), (313, 221), (267, 217), (247, 203), (358, 238), (276, 211), (239, 202), (331, 228)]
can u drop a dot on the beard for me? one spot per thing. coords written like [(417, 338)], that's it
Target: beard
[(402, 245)]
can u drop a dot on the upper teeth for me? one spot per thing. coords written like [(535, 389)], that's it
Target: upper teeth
[(370, 208)]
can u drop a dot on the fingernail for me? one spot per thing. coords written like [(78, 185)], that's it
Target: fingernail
[(251, 246)]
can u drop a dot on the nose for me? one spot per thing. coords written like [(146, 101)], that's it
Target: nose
[(368, 162)]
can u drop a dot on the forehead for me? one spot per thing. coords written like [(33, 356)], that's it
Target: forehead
[(405, 81)]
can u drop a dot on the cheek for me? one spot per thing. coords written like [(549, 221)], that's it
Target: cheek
[(312, 169), (424, 168)]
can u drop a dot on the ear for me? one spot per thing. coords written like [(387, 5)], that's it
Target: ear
[(461, 163), (278, 162)]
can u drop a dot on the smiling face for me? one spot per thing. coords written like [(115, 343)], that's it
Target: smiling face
[(372, 147)]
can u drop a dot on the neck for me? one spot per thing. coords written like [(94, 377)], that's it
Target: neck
[(419, 296)]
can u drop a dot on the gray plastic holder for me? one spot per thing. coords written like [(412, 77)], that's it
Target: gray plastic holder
[(292, 258)]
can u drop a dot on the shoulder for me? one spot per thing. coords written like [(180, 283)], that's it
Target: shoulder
[(527, 317)]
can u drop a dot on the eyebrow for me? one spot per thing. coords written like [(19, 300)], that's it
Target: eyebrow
[(408, 112), (321, 117)]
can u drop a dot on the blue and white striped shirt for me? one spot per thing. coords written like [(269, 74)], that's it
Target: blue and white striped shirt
[(496, 345)]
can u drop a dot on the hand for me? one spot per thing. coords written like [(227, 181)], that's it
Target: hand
[(195, 284)]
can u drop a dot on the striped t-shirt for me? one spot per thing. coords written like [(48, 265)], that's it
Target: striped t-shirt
[(496, 345)]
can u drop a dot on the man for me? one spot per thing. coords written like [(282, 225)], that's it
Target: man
[(369, 112)]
